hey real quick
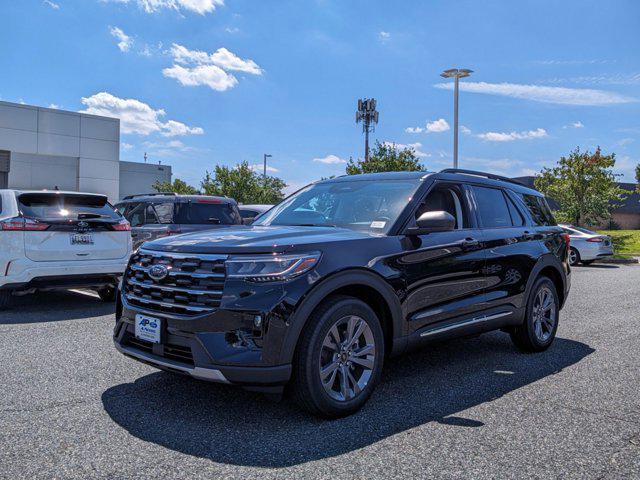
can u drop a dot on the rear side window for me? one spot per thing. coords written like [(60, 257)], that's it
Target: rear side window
[(57, 206), (539, 209), (492, 207), (205, 212)]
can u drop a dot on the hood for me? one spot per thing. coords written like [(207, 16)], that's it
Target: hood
[(254, 239)]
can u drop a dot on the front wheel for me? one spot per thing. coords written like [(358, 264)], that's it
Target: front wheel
[(339, 358), (541, 322)]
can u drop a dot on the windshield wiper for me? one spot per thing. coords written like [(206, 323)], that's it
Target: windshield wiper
[(311, 225)]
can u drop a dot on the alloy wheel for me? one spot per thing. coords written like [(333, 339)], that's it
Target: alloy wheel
[(544, 314), (573, 257), (347, 358)]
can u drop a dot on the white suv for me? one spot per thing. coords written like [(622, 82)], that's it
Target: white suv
[(53, 239)]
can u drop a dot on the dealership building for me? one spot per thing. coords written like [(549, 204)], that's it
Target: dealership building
[(44, 148)]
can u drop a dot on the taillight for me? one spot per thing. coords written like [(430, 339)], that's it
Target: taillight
[(121, 226), (19, 224), (595, 239), (567, 239)]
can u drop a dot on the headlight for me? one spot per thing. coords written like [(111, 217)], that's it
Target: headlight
[(270, 268)]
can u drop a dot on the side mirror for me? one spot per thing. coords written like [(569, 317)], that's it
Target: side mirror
[(437, 221)]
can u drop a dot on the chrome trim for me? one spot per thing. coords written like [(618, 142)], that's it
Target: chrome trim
[(210, 257), (173, 289), (202, 373), (174, 274), (135, 298), (466, 323)]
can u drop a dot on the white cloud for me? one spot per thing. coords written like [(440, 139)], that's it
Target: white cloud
[(537, 93), (511, 136), (54, 106), (577, 124), (259, 167), (195, 67), (437, 126), (136, 116), (151, 6), (125, 41), (384, 36), (126, 146), (209, 75), (413, 146), (51, 4), (232, 30), (465, 130), (330, 160)]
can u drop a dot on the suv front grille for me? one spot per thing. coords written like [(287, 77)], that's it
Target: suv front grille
[(193, 285)]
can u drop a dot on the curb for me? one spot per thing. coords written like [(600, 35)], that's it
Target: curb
[(620, 261)]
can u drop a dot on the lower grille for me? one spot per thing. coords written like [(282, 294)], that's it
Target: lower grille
[(189, 284), (178, 353)]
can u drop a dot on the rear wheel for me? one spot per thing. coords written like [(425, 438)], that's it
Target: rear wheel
[(574, 257), (5, 299), (107, 294), (541, 322), (339, 358)]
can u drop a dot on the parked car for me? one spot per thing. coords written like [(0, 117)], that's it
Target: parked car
[(587, 246), (321, 289), (250, 212), (53, 239), (156, 215)]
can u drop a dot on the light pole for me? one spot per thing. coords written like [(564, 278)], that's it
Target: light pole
[(368, 115), (456, 74), (264, 171)]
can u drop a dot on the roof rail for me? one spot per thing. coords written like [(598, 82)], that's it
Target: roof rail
[(492, 176), (153, 194)]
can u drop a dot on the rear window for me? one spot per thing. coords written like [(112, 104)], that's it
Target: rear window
[(57, 206), (539, 209), (204, 212)]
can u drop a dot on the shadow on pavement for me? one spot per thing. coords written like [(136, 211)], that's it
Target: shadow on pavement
[(229, 425), (54, 306)]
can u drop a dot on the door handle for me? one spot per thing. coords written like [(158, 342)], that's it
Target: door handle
[(470, 243)]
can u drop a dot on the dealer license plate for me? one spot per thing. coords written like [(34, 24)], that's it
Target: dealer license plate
[(148, 328)]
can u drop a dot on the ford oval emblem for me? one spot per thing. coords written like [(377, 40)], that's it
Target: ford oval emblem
[(158, 272)]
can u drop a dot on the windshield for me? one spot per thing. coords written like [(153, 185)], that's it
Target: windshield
[(359, 205)]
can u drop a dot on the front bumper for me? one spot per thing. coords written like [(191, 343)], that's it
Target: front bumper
[(223, 346)]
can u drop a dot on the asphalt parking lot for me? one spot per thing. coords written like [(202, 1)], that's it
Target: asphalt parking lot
[(72, 407)]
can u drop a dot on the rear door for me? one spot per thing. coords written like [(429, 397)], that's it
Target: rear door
[(511, 246), (78, 227)]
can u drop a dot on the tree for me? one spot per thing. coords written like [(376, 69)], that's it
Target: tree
[(638, 176), (386, 157), (178, 186), (243, 184), (583, 185)]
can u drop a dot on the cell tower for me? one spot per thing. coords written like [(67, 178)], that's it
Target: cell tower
[(368, 115)]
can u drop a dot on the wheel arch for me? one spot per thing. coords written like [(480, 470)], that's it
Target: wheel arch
[(549, 266), (362, 284)]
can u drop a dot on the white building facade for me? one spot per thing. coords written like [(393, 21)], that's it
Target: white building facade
[(43, 148)]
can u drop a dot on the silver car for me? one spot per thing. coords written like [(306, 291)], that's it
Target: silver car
[(587, 246)]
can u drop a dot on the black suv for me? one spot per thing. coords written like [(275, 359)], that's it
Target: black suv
[(323, 287), (156, 215)]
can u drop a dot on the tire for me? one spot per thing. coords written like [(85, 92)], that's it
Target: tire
[(538, 330), (587, 262), (316, 349), (5, 299), (107, 294), (574, 257)]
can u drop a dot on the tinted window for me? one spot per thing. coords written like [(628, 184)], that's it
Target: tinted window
[(59, 206), (539, 209), (516, 217), (492, 207), (248, 213), (204, 212), (163, 212)]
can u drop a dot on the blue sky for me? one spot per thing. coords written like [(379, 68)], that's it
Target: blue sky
[(203, 82)]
